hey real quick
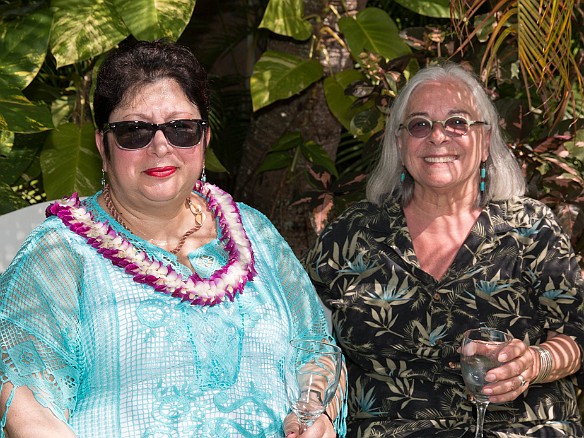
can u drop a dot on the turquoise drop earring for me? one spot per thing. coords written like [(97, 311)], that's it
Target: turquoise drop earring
[(483, 176)]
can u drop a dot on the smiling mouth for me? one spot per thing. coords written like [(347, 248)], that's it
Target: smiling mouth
[(448, 159)]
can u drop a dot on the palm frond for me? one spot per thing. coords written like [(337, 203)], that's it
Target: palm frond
[(542, 33)]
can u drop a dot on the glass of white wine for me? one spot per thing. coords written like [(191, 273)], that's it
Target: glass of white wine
[(478, 354), (312, 377)]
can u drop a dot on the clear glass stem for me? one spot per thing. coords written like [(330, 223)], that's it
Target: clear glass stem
[(302, 428), (481, 409)]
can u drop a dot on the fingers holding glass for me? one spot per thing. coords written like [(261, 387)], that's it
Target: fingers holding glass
[(479, 353)]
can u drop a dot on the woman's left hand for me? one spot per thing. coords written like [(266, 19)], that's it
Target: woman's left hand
[(322, 428), (513, 377)]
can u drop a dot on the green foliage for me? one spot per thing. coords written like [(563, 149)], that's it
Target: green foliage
[(372, 30), (428, 8), (526, 73), (48, 52), (278, 76), (285, 154), (285, 17)]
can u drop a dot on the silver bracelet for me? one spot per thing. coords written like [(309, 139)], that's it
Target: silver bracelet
[(546, 364)]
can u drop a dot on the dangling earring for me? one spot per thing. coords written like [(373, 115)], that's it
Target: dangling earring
[(203, 175), (483, 171), (402, 176), (102, 179)]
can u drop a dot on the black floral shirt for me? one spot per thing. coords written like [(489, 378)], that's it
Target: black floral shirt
[(400, 328)]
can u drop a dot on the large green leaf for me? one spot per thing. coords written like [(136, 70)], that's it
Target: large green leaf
[(285, 17), (84, 29), (18, 155), (360, 120), (154, 19), (23, 46), (429, 8), (70, 161), (576, 146), (315, 154), (9, 200), (278, 76), (212, 163), (18, 114), (373, 30), (280, 156)]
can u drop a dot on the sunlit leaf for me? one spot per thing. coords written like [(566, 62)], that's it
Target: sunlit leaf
[(155, 19), (373, 30), (278, 75), (429, 8), (361, 120), (23, 46), (18, 114), (341, 104), (83, 29), (285, 17), (70, 161), (576, 146)]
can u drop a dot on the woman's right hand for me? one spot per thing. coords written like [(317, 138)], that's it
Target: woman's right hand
[(322, 428)]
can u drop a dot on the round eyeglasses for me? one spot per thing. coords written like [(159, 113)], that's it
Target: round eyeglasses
[(132, 135), (455, 126)]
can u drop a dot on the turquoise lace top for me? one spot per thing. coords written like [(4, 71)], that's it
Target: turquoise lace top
[(126, 361)]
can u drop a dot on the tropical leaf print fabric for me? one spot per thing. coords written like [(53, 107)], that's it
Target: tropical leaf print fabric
[(400, 328)]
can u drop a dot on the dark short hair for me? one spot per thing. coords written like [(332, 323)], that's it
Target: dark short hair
[(133, 65)]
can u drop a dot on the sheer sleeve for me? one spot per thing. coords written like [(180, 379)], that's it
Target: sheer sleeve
[(305, 308), (39, 319)]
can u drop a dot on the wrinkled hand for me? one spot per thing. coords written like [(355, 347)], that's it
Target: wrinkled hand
[(518, 360), (322, 428)]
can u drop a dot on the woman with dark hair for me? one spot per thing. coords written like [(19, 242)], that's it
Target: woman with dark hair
[(446, 241), (158, 306)]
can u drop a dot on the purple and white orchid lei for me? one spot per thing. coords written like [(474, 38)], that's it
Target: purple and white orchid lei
[(226, 282)]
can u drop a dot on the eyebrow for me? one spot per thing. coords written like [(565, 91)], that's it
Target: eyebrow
[(450, 113)]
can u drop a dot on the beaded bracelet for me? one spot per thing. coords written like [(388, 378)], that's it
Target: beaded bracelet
[(546, 364)]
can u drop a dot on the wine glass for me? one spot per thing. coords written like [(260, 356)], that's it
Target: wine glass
[(312, 377), (478, 353)]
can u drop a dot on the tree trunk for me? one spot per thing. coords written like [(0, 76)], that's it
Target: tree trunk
[(272, 192)]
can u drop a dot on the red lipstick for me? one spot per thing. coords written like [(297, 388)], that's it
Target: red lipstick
[(160, 172)]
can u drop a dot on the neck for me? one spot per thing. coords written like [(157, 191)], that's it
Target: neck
[(150, 229), (433, 204)]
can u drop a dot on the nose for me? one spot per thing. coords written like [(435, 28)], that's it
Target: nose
[(160, 145), (438, 134)]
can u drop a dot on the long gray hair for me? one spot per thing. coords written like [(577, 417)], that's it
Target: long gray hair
[(504, 178)]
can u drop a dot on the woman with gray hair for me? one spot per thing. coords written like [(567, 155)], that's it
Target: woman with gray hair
[(446, 241)]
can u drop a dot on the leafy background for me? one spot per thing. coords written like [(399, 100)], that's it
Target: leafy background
[(300, 92)]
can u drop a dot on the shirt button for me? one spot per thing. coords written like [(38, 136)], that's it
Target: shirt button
[(436, 297), (454, 365)]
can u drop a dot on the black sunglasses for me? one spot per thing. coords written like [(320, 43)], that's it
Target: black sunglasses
[(455, 126), (184, 133)]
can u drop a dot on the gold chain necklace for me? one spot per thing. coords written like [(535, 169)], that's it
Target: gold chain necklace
[(197, 211)]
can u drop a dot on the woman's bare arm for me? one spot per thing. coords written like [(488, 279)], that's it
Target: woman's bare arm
[(27, 418)]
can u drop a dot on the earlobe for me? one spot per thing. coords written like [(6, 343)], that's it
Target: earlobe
[(99, 140), (487, 144)]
